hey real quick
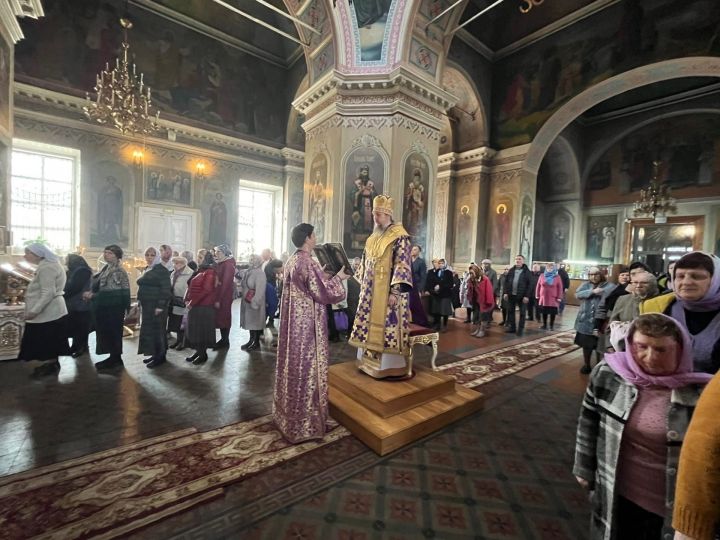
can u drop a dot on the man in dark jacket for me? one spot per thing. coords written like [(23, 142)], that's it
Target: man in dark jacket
[(419, 268), (533, 308), (563, 275), (517, 293)]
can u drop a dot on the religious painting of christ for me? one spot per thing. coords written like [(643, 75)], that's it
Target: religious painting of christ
[(364, 176), (501, 229)]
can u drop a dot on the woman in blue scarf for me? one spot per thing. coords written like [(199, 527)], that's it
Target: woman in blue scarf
[(549, 292)]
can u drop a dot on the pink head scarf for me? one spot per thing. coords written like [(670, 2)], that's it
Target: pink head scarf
[(625, 365)]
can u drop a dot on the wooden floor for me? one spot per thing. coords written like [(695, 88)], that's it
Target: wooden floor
[(387, 415)]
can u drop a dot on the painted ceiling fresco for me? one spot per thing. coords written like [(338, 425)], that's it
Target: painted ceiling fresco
[(193, 76), (215, 16), (505, 24), (531, 84)]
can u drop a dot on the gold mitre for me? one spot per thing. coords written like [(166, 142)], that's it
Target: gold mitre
[(384, 204)]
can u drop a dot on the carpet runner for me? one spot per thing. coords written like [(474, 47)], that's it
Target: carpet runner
[(110, 494), (486, 367)]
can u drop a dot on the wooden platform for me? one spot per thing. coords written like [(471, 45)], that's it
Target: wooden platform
[(387, 415), (387, 398)]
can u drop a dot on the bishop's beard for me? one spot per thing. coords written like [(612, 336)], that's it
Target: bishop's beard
[(380, 228)]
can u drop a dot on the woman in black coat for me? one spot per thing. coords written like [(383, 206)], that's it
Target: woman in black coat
[(79, 281), (439, 284), (154, 294)]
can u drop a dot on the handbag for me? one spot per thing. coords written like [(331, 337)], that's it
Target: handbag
[(249, 295), (341, 321), (178, 301), (618, 333)]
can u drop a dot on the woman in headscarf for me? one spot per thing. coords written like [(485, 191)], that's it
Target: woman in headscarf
[(79, 281), (633, 419), (154, 293), (696, 305), (179, 279), (225, 293), (110, 295), (200, 302), (589, 294), (549, 293), (482, 299), (45, 334), (252, 307)]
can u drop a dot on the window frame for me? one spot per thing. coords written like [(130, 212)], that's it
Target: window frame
[(277, 220), (50, 151)]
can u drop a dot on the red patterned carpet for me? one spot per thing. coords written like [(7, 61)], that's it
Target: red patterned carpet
[(111, 493), (482, 369)]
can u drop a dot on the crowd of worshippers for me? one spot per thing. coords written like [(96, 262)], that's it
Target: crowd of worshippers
[(178, 295), (647, 443)]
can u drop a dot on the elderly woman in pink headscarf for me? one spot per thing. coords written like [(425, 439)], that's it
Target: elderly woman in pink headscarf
[(634, 416)]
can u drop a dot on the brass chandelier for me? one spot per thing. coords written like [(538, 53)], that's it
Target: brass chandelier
[(655, 200), (123, 100)]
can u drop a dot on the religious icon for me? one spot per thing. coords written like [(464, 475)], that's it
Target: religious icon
[(110, 211), (363, 197), (463, 249), (414, 204), (500, 245), (218, 221), (424, 58), (317, 206)]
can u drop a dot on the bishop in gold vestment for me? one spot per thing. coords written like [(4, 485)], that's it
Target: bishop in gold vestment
[(381, 328)]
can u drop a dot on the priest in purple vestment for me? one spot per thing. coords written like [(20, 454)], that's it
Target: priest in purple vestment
[(300, 403)]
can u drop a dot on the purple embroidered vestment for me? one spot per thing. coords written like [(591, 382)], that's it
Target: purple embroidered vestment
[(300, 404)]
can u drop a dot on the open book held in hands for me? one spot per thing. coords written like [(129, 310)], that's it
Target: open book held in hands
[(332, 257)]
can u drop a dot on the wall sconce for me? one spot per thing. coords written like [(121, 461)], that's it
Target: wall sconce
[(200, 170), (137, 157)]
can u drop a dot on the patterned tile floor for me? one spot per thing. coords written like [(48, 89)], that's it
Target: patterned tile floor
[(81, 411), (495, 475)]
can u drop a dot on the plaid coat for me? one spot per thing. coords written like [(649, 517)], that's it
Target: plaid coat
[(604, 412)]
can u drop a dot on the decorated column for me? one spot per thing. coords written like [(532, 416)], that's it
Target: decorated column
[(367, 136)]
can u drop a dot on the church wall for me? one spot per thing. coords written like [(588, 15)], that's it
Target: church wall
[(688, 148), (531, 84), (479, 69), (105, 153)]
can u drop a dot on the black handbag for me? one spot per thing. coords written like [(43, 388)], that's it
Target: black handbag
[(178, 301)]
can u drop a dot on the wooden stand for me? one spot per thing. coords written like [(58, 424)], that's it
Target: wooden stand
[(387, 415)]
